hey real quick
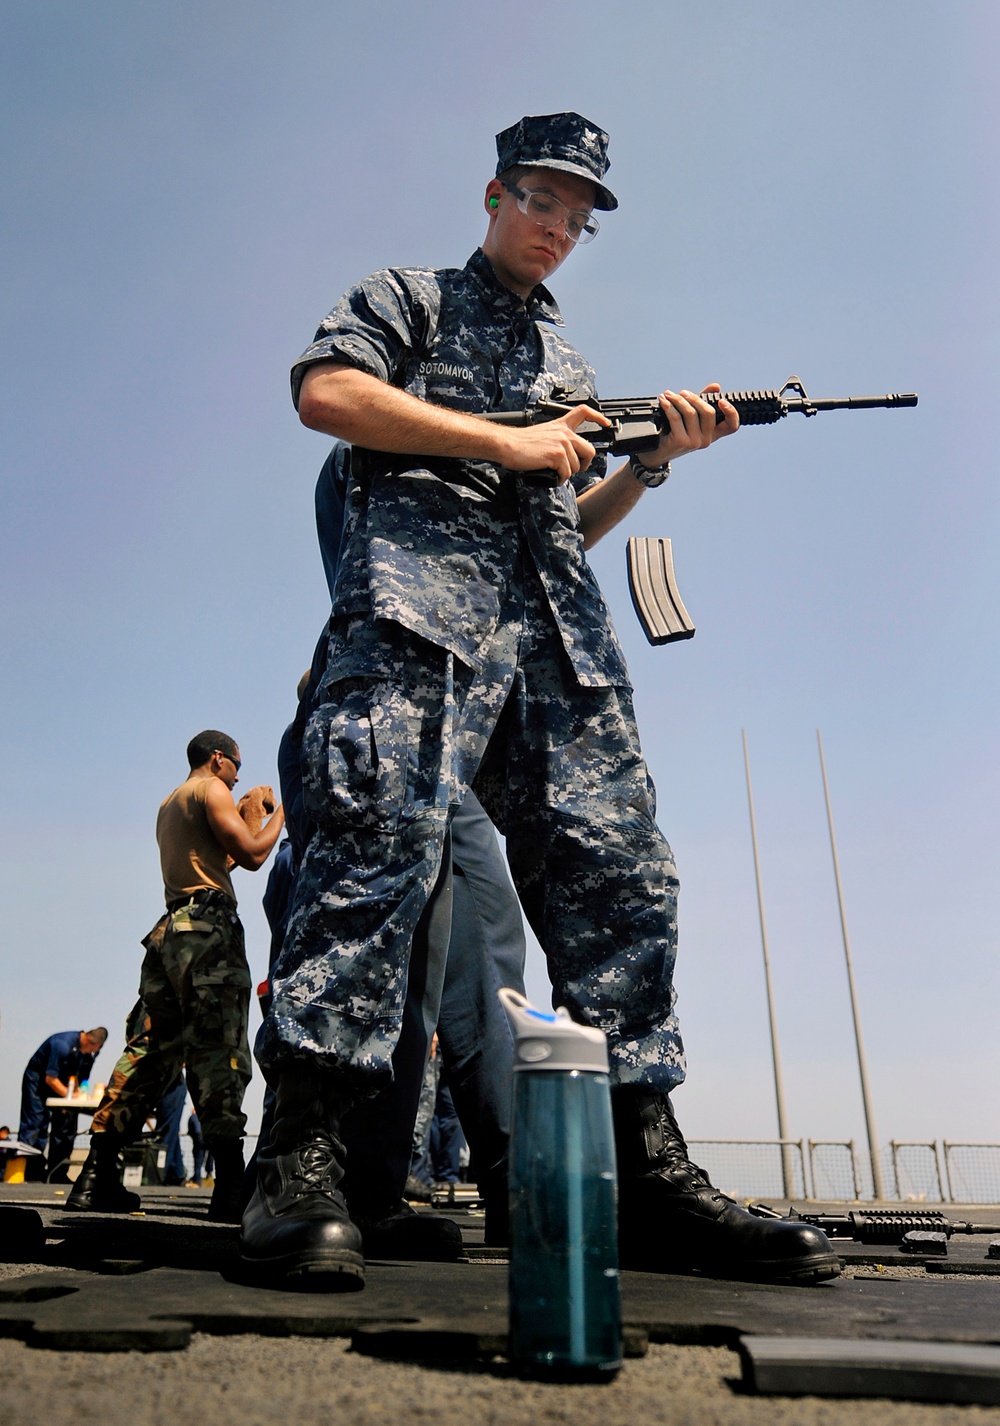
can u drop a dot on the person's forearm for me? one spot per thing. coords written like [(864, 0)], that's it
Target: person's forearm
[(263, 842), (605, 504), (360, 408), (57, 1087)]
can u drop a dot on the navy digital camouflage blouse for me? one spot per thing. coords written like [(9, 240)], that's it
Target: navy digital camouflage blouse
[(429, 544)]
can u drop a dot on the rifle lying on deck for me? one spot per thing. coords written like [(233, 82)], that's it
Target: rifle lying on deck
[(877, 1226), (637, 424)]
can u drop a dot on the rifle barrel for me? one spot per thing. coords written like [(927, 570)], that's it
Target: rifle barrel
[(853, 403)]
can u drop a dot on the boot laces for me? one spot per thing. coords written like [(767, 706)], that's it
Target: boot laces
[(316, 1161), (675, 1157)]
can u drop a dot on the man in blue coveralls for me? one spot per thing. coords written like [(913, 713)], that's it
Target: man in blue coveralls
[(470, 646), (60, 1058)]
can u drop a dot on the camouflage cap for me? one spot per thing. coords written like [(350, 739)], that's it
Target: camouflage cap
[(567, 142)]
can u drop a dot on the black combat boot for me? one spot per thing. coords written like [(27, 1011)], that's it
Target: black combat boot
[(400, 1232), (296, 1229), (494, 1190), (227, 1196), (671, 1218), (99, 1188)]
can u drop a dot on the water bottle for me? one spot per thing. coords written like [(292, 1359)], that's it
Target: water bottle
[(565, 1314)]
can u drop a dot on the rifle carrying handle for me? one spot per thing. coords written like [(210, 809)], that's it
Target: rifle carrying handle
[(653, 587)]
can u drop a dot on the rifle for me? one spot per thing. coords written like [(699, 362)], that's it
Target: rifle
[(877, 1227), (637, 423)]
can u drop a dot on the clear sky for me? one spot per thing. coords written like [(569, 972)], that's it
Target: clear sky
[(187, 189)]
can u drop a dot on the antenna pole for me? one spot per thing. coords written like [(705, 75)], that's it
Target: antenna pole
[(787, 1176), (866, 1098)]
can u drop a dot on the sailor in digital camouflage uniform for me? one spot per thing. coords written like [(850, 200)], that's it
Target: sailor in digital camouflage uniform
[(194, 986), (469, 646)]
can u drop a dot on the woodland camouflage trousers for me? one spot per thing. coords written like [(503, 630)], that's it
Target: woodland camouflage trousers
[(192, 1012)]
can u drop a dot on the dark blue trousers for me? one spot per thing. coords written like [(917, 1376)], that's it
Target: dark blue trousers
[(42, 1127), (169, 1113), (446, 1139), (485, 952)]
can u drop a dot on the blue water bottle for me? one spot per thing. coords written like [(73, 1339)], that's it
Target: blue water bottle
[(565, 1313)]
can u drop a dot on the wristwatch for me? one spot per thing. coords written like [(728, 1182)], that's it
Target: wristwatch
[(650, 476)]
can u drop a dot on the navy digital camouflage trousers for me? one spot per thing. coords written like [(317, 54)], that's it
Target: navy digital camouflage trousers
[(402, 730), (192, 1012)]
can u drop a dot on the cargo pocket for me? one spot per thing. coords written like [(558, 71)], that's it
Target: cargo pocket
[(220, 1006), (354, 758), (154, 941)]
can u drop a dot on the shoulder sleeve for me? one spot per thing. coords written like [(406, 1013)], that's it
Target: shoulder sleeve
[(375, 325)]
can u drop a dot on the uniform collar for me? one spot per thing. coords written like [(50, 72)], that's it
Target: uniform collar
[(541, 306)]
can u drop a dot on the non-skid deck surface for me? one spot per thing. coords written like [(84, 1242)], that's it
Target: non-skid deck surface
[(115, 1283)]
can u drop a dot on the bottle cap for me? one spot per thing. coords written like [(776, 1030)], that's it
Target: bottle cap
[(546, 1041)]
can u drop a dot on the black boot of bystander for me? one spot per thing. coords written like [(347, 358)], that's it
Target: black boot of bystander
[(99, 1188), (227, 1195)]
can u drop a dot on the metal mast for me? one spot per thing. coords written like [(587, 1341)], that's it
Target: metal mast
[(866, 1098), (787, 1176)]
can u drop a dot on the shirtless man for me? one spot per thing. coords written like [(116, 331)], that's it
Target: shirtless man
[(194, 986)]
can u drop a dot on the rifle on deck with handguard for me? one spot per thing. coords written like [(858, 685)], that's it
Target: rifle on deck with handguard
[(637, 425)]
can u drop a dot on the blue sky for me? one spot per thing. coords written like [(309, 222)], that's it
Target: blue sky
[(189, 187)]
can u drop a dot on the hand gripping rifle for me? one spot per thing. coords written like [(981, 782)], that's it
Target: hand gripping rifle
[(637, 424)]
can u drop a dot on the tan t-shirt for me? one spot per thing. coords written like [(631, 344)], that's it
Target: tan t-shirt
[(190, 857)]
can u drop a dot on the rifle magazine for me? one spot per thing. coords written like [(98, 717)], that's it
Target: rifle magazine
[(653, 587)]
